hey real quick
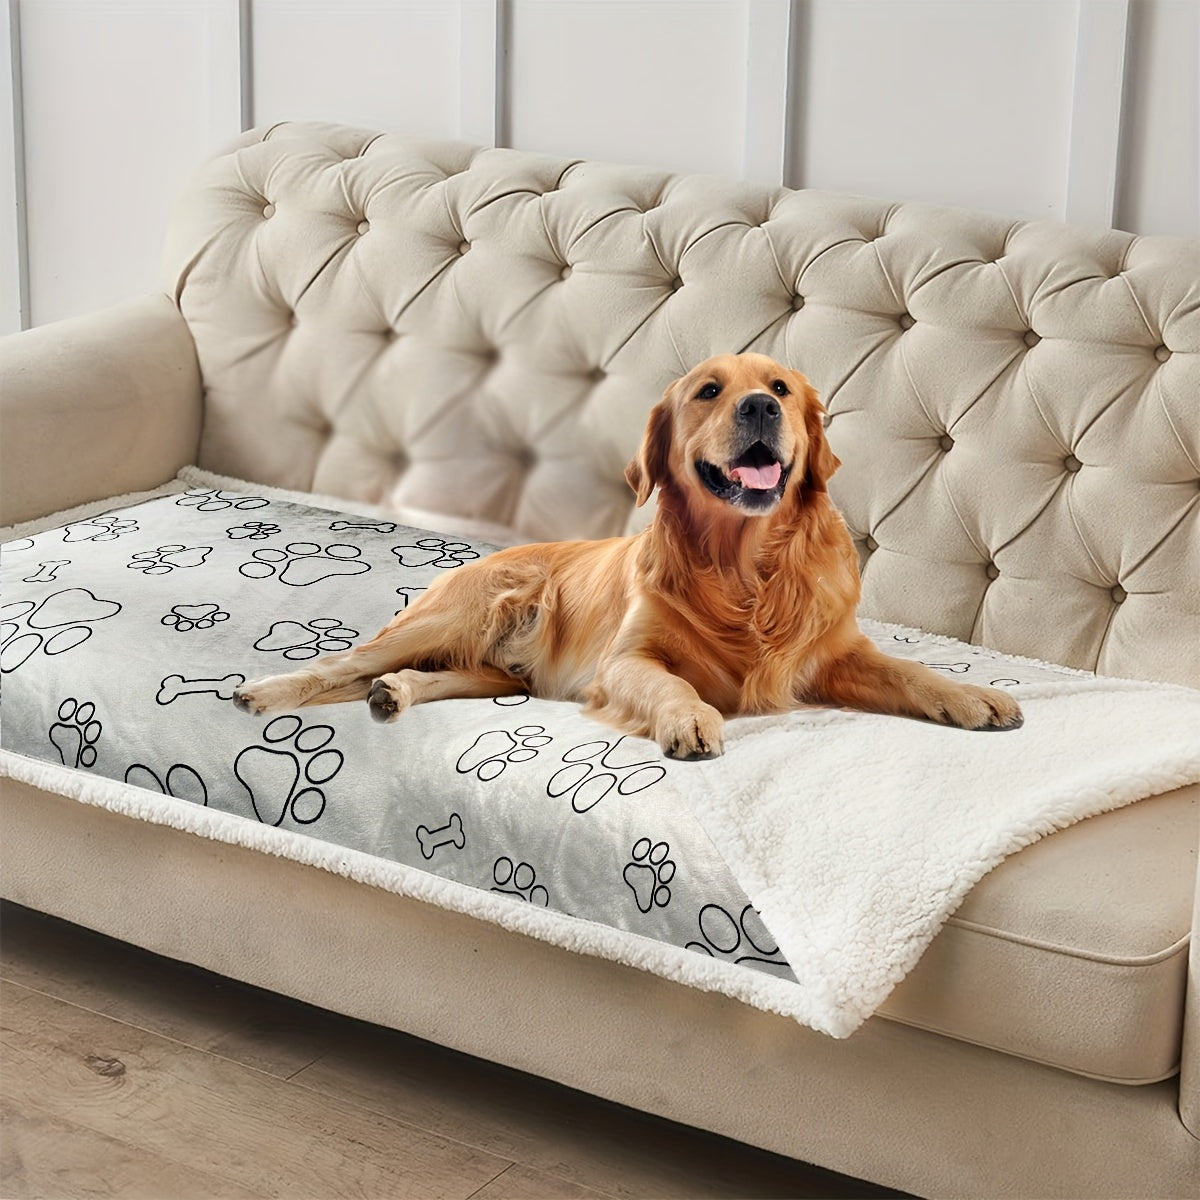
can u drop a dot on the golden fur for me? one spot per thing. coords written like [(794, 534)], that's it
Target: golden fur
[(740, 597)]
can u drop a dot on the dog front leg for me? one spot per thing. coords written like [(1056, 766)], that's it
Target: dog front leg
[(866, 678), (638, 694)]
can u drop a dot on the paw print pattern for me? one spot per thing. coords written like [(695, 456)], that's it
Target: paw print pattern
[(649, 874), (182, 782), (744, 939), (301, 564), (592, 770), (434, 552), (215, 500), (98, 529), (75, 734), (69, 613), (285, 777), (166, 559), (519, 880), (255, 531), (298, 641), (492, 752), (185, 617)]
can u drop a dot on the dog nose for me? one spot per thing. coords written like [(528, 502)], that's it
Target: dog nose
[(758, 411)]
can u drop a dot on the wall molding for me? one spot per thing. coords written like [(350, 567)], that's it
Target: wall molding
[(483, 75), (14, 242), (770, 90), (1097, 106)]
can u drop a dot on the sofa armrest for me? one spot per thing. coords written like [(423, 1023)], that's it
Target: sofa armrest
[(1189, 1067), (96, 406)]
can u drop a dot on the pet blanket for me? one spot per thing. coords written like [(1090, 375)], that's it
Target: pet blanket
[(803, 872)]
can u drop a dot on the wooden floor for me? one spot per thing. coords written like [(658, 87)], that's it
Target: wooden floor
[(126, 1075)]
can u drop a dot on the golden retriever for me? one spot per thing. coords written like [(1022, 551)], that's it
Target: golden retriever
[(740, 596)]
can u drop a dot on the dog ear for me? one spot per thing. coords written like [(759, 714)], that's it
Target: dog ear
[(649, 466), (822, 462)]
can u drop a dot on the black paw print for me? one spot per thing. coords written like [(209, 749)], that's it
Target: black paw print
[(649, 874), (593, 770), (744, 939), (76, 732), (185, 617), (519, 880), (491, 752), (285, 777), (301, 564), (215, 500), (434, 552), (182, 782), (98, 529), (25, 626), (298, 641), (255, 531), (166, 559)]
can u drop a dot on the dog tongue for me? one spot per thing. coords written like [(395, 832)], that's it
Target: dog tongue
[(759, 479)]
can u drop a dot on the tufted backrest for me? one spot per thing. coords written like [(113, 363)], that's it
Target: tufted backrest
[(481, 332)]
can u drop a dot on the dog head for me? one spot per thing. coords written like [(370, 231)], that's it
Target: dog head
[(735, 435)]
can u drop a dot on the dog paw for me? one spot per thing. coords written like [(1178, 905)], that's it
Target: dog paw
[(274, 693), (971, 707), (692, 735), (389, 696)]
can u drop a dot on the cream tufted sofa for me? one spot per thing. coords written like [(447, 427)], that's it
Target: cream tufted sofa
[(471, 339)]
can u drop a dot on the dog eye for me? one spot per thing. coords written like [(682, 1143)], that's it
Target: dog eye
[(780, 388), (710, 391)]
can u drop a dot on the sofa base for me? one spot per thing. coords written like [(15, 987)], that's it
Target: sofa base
[(946, 1118)]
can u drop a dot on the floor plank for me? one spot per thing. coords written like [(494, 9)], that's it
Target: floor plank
[(311, 1104), (45, 1156), (129, 985), (242, 1125)]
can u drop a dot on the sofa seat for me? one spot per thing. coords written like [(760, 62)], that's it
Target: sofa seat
[(1095, 988)]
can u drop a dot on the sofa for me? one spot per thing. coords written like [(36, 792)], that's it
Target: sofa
[(455, 348)]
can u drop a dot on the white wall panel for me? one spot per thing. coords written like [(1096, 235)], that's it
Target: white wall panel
[(661, 83), (1077, 109), (952, 101), (381, 64), (121, 100)]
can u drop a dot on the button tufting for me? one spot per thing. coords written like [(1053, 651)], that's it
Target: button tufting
[(1071, 463), (946, 442), (1162, 353), (363, 225), (676, 284), (1118, 594), (992, 571), (827, 420), (871, 544), (1031, 339), (565, 273), (906, 321), (797, 303), (268, 210), (463, 247), (596, 375)]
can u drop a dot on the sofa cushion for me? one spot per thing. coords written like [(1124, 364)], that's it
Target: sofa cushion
[(1081, 926), (382, 318)]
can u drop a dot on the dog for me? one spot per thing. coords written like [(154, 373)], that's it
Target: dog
[(740, 597)]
